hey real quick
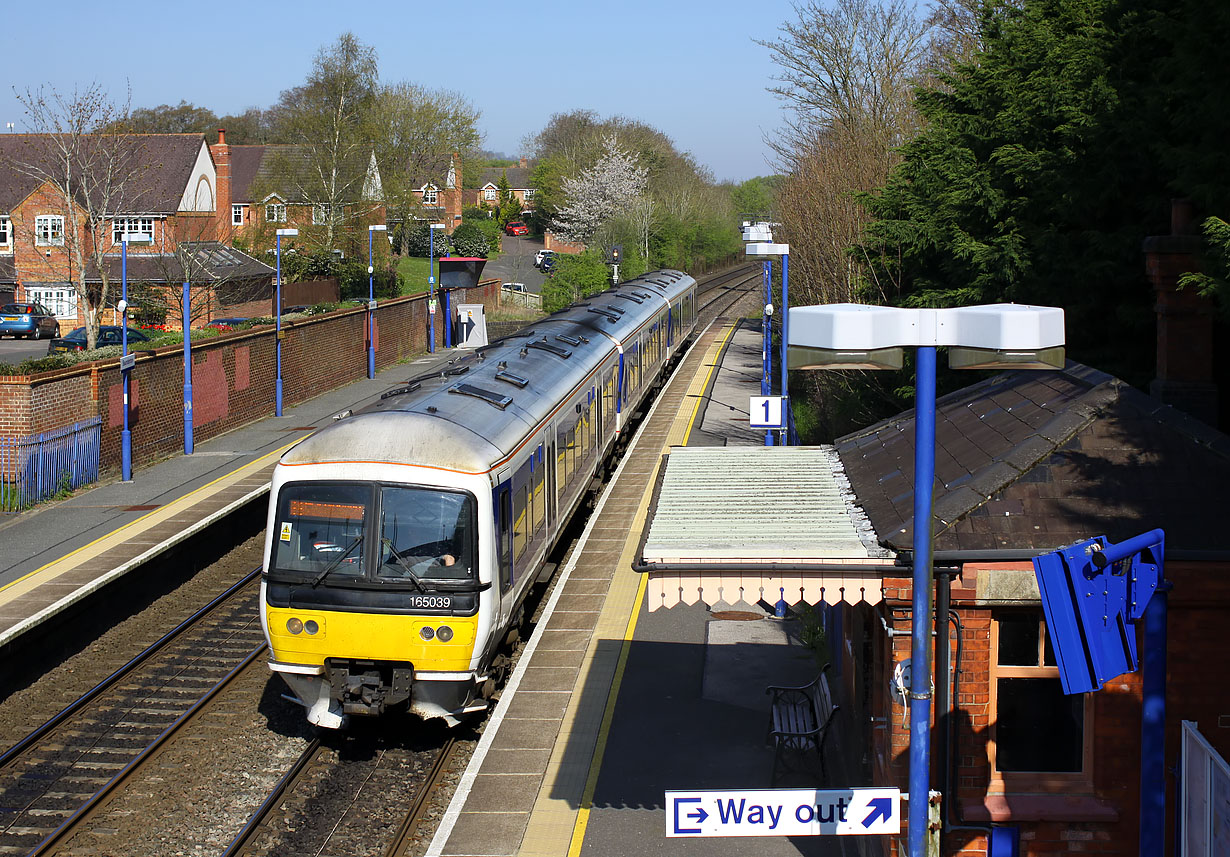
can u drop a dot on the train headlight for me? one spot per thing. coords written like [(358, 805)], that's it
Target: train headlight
[(444, 633), (427, 633), (310, 626), (294, 625)]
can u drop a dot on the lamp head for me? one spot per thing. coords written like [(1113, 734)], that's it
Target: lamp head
[(122, 306), (288, 232), (137, 238), (379, 227)]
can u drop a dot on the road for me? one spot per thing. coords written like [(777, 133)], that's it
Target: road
[(17, 350), (516, 262)]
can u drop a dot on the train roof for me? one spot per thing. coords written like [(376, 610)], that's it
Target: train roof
[(477, 411)]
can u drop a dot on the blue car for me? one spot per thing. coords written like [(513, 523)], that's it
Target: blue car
[(29, 319), (107, 335)]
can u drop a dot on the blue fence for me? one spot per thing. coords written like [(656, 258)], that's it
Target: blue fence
[(34, 468)]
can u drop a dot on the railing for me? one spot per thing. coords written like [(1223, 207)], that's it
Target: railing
[(1204, 785), (38, 467)]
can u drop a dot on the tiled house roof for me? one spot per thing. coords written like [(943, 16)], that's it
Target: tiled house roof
[(205, 261), (162, 166), (518, 177), (1038, 460), (289, 173)]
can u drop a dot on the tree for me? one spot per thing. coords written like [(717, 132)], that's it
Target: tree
[(1034, 180), (847, 77), (183, 118), (600, 193), (575, 277), (91, 177), (413, 131), (325, 119)]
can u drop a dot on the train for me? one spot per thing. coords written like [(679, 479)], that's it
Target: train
[(403, 539)]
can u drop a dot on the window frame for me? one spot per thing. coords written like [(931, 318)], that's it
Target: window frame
[(279, 212), (44, 223), (529, 194), (431, 195), (490, 194), (6, 232), (1011, 782), (237, 213), (121, 225)]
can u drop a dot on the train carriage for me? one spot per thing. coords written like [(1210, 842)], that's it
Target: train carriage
[(403, 539)]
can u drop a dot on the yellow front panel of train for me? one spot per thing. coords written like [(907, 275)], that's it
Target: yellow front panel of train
[(379, 637)]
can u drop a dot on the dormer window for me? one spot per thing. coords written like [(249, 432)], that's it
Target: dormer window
[(489, 192), (275, 212), (430, 193)]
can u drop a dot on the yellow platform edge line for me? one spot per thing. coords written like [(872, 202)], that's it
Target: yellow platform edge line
[(71, 560)]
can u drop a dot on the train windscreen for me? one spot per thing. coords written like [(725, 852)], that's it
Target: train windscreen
[(333, 532)]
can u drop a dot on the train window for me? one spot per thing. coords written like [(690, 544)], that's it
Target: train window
[(426, 533), (561, 460), (572, 451), (521, 522), (503, 504), (320, 529)]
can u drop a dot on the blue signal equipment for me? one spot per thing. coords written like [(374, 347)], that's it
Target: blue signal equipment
[(1093, 593)]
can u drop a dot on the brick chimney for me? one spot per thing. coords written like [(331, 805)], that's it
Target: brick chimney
[(1184, 319), (221, 154), (523, 163)]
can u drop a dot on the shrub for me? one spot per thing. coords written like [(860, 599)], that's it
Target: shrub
[(469, 239), (419, 242)]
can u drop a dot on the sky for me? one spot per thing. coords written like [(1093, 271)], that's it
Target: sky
[(690, 69)]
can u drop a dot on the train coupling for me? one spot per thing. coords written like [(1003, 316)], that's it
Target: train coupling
[(369, 687)]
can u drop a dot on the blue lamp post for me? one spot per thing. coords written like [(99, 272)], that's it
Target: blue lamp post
[(127, 361), (431, 286), (371, 301), (187, 369), (761, 237), (277, 305), (854, 336)]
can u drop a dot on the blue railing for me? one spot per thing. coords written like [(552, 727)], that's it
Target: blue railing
[(38, 467)]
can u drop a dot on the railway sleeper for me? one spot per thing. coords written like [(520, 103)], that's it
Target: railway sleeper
[(369, 687)]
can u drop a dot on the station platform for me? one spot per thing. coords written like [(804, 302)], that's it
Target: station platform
[(57, 554), (610, 705)]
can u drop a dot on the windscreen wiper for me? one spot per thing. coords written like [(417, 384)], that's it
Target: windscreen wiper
[(401, 560), (329, 568)]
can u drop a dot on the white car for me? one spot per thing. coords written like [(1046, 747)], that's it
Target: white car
[(540, 255)]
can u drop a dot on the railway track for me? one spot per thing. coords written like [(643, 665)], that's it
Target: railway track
[(57, 775), (62, 781)]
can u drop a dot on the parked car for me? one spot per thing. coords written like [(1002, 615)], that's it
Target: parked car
[(29, 319), (107, 335), (516, 227), (516, 287), (541, 256), (227, 323)]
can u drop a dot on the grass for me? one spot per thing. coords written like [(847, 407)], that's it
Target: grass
[(414, 271)]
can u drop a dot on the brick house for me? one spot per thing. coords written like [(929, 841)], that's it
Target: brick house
[(1027, 462), (262, 188), (437, 191), (518, 177), (168, 191)]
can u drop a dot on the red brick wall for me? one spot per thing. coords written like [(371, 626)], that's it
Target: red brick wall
[(232, 377), (1198, 609)]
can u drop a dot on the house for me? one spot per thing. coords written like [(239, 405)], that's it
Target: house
[(164, 186), (262, 188), (437, 191), (518, 178)]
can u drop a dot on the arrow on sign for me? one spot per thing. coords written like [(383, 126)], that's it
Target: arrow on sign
[(881, 808), (700, 815)]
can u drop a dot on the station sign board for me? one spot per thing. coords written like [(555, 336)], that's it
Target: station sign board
[(784, 812), (765, 412)]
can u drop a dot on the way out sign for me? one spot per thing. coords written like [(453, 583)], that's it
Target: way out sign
[(783, 812)]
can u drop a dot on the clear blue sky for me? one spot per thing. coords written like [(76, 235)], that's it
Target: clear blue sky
[(689, 69)]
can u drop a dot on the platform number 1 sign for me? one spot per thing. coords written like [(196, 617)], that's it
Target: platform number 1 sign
[(766, 412)]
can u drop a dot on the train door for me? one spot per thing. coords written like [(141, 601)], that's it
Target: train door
[(502, 504), (552, 499)]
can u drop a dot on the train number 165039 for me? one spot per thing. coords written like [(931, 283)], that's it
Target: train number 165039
[(431, 602)]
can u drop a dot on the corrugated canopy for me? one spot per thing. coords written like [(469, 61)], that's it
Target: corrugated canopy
[(758, 524)]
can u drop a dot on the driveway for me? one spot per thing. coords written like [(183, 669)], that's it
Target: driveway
[(516, 262), (16, 350)]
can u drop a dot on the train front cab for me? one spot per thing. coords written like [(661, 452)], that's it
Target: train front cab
[(361, 613)]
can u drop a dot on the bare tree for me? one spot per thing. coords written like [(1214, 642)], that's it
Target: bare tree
[(325, 118), (847, 81), (90, 177)]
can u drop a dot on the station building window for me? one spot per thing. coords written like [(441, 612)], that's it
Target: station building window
[(1039, 736)]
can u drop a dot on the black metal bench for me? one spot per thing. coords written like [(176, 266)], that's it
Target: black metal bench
[(799, 721)]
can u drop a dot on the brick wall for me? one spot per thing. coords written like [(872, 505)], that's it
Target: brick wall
[(1198, 608), (232, 377)]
